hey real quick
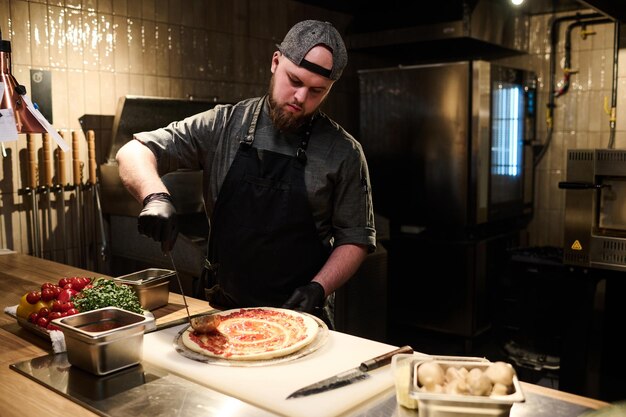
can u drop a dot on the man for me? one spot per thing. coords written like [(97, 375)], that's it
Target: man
[(286, 189)]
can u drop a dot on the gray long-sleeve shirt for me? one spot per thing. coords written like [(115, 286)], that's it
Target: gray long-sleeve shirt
[(336, 173)]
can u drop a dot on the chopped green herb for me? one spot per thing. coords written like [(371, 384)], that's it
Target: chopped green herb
[(106, 293)]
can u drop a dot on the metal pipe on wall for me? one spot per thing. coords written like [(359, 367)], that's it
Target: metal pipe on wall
[(554, 39), (613, 111)]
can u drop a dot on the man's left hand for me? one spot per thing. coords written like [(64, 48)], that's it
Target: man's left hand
[(306, 298)]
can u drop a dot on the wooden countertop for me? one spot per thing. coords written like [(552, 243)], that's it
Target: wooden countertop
[(20, 396)]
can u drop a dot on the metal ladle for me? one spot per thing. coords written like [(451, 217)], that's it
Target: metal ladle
[(205, 324), (202, 324)]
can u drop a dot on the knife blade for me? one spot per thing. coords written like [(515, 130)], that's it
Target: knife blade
[(350, 376)]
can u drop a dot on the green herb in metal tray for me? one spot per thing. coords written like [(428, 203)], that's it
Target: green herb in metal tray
[(106, 293)]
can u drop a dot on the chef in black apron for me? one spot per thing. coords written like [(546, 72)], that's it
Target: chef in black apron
[(263, 242), (279, 223)]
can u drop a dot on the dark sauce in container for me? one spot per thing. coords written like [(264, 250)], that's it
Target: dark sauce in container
[(101, 326)]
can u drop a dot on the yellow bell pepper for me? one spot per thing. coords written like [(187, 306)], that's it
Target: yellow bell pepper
[(24, 309)]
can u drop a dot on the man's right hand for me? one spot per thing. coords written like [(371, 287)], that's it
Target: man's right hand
[(158, 220)]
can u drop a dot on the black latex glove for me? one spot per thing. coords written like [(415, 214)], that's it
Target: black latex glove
[(306, 298), (158, 220)]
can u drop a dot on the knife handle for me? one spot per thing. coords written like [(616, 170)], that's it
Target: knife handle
[(91, 149), (32, 160), (76, 164), (61, 159), (383, 359), (47, 162)]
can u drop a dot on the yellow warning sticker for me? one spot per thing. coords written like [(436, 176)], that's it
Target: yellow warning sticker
[(576, 245)]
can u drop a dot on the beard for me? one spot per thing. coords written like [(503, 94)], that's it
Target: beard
[(284, 121)]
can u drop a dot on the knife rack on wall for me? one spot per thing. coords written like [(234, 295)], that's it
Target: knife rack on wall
[(63, 219)]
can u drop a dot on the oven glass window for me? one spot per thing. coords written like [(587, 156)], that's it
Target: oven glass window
[(507, 136), (612, 214)]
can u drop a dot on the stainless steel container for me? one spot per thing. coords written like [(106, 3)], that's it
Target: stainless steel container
[(104, 340), (151, 286), (432, 404), (411, 396)]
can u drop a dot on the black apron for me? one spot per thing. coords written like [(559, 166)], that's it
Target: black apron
[(263, 242)]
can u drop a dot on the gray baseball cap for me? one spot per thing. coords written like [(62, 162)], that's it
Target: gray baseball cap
[(305, 35)]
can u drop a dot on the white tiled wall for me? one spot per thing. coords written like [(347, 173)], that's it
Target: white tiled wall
[(581, 118)]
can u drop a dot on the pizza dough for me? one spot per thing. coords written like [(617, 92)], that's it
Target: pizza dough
[(259, 333)]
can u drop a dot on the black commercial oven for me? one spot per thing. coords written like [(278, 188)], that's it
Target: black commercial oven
[(594, 252), (449, 151)]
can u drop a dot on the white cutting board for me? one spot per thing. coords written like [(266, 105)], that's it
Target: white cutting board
[(268, 386)]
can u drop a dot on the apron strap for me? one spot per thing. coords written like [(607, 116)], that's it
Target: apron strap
[(249, 138)]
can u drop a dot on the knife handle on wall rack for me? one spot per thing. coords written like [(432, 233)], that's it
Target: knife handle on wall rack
[(383, 359), (47, 162), (91, 147), (61, 177), (32, 160), (76, 169)]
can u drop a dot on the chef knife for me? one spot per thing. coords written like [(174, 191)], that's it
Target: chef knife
[(351, 376)]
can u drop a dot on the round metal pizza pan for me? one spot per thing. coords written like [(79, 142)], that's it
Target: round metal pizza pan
[(318, 341)]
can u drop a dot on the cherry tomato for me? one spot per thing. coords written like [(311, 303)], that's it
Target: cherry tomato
[(43, 322), (56, 290), (57, 305), (47, 285), (42, 304), (72, 311), (53, 327), (63, 282), (33, 317), (78, 283), (66, 295), (48, 294), (67, 306), (54, 315), (33, 297), (43, 312)]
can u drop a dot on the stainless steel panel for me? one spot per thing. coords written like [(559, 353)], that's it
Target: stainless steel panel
[(415, 123), (481, 131), (462, 30), (143, 390), (434, 145)]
